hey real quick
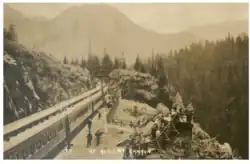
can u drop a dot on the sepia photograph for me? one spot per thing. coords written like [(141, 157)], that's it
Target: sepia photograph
[(125, 81)]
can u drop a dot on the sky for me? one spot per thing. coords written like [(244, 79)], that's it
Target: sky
[(163, 18)]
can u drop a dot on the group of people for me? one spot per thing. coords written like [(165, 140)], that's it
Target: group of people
[(171, 124), (178, 117), (98, 134), (137, 147)]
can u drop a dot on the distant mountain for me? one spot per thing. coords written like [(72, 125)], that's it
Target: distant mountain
[(220, 30), (69, 33), (30, 31)]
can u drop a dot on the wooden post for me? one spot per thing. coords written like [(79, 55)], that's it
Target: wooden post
[(105, 109), (102, 90)]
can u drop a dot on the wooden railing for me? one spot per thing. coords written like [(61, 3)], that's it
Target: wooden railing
[(38, 141)]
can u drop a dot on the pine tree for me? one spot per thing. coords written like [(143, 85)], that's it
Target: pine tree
[(124, 65), (137, 65), (162, 76), (83, 63), (5, 33), (76, 61), (107, 64), (142, 69), (65, 60), (95, 67), (72, 62), (89, 63), (12, 35), (116, 63)]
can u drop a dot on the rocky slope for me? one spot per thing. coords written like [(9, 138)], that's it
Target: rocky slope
[(202, 146), (140, 86), (34, 81)]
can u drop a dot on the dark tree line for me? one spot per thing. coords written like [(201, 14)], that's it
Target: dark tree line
[(98, 65), (139, 66), (155, 67), (214, 76), (10, 33), (119, 64)]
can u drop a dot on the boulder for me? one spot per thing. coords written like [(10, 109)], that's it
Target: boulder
[(163, 109)]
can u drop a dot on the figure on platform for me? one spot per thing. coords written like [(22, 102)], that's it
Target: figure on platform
[(139, 123), (157, 121), (89, 124), (126, 154), (157, 133), (153, 131), (131, 124), (89, 139), (67, 130), (98, 135), (99, 115)]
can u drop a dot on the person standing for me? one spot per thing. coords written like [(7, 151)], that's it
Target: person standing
[(138, 123), (89, 139), (89, 124), (126, 154), (153, 131), (131, 124), (67, 130), (99, 115), (98, 137)]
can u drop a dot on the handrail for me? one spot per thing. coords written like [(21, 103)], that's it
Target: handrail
[(14, 126)]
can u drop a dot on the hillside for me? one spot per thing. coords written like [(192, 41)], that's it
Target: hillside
[(214, 77), (220, 30), (69, 33), (33, 81)]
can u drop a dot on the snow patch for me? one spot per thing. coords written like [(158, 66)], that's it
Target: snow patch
[(30, 85), (8, 59)]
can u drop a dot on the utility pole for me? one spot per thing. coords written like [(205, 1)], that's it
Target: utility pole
[(101, 74)]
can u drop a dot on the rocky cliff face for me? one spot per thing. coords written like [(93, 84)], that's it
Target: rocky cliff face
[(139, 86), (34, 81), (135, 84)]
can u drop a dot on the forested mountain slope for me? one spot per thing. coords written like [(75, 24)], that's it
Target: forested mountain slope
[(214, 77)]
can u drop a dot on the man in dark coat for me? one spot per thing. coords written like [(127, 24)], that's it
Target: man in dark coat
[(99, 115), (153, 131), (89, 139), (67, 131), (126, 154), (89, 124), (138, 123), (131, 124), (98, 135)]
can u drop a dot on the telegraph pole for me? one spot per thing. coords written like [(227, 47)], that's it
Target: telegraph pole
[(101, 74)]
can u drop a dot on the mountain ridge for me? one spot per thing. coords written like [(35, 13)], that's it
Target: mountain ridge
[(68, 34)]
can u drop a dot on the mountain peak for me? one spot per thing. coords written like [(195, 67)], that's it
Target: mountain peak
[(107, 27)]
